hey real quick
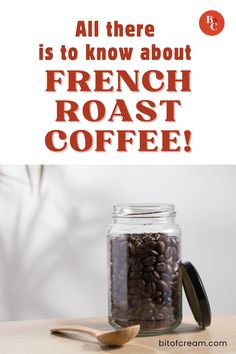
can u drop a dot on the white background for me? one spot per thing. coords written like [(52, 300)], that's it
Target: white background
[(28, 112), (53, 247)]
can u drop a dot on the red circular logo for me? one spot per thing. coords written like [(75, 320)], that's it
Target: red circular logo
[(211, 22)]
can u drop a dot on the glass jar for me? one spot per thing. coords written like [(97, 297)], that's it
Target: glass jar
[(145, 281)]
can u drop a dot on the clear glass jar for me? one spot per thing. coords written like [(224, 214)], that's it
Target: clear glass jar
[(145, 281)]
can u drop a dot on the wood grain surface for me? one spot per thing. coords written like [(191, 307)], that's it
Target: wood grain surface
[(33, 337)]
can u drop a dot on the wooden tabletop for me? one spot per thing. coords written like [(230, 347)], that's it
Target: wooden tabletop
[(33, 337)]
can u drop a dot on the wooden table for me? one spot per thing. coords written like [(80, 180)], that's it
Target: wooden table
[(33, 337)]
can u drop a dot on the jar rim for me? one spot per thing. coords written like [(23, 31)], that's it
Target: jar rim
[(143, 210)]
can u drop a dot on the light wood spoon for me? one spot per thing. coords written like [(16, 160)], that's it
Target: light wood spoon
[(110, 338)]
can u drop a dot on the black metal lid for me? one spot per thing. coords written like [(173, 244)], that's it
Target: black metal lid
[(196, 295)]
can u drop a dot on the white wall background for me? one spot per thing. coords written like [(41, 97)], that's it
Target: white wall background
[(53, 249)]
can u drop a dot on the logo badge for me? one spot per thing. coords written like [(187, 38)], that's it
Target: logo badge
[(211, 22)]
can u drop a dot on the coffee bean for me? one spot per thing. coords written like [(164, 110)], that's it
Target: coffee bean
[(146, 276), (148, 268), (161, 285), (166, 277), (145, 280), (169, 269), (160, 316), (160, 267), (141, 249), (161, 258), (165, 310), (132, 260), (134, 291), (157, 294), (132, 283), (146, 314), (135, 275), (156, 275), (174, 254), (137, 266), (138, 312), (151, 287), (141, 284), (132, 248), (166, 293), (147, 300), (136, 302), (153, 253), (149, 306), (149, 260), (152, 277), (168, 252), (145, 295), (160, 247), (168, 301), (159, 300), (150, 244)]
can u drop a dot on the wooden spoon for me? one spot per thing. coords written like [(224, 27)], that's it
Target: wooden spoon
[(111, 338)]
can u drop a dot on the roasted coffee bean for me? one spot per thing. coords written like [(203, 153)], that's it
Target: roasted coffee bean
[(166, 240), (166, 277), (160, 316), (145, 295), (169, 269), (159, 300), (147, 313), (132, 283), (170, 261), (134, 291), (175, 269), (148, 268), (165, 310), (136, 302), (161, 285), (160, 247), (132, 260), (156, 275), (157, 294), (138, 312), (152, 277), (149, 260), (160, 267), (161, 258), (153, 253), (174, 253), (141, 284), (150, 244), (132, 248), (147, 300), (151, 288), (168, 301), (168, 252), (145, 280), (137, 266), (146, 276), (149, 306), (135, 275), (141, 249)]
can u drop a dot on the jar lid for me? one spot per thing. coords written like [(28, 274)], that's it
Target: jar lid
[(196, 295)]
